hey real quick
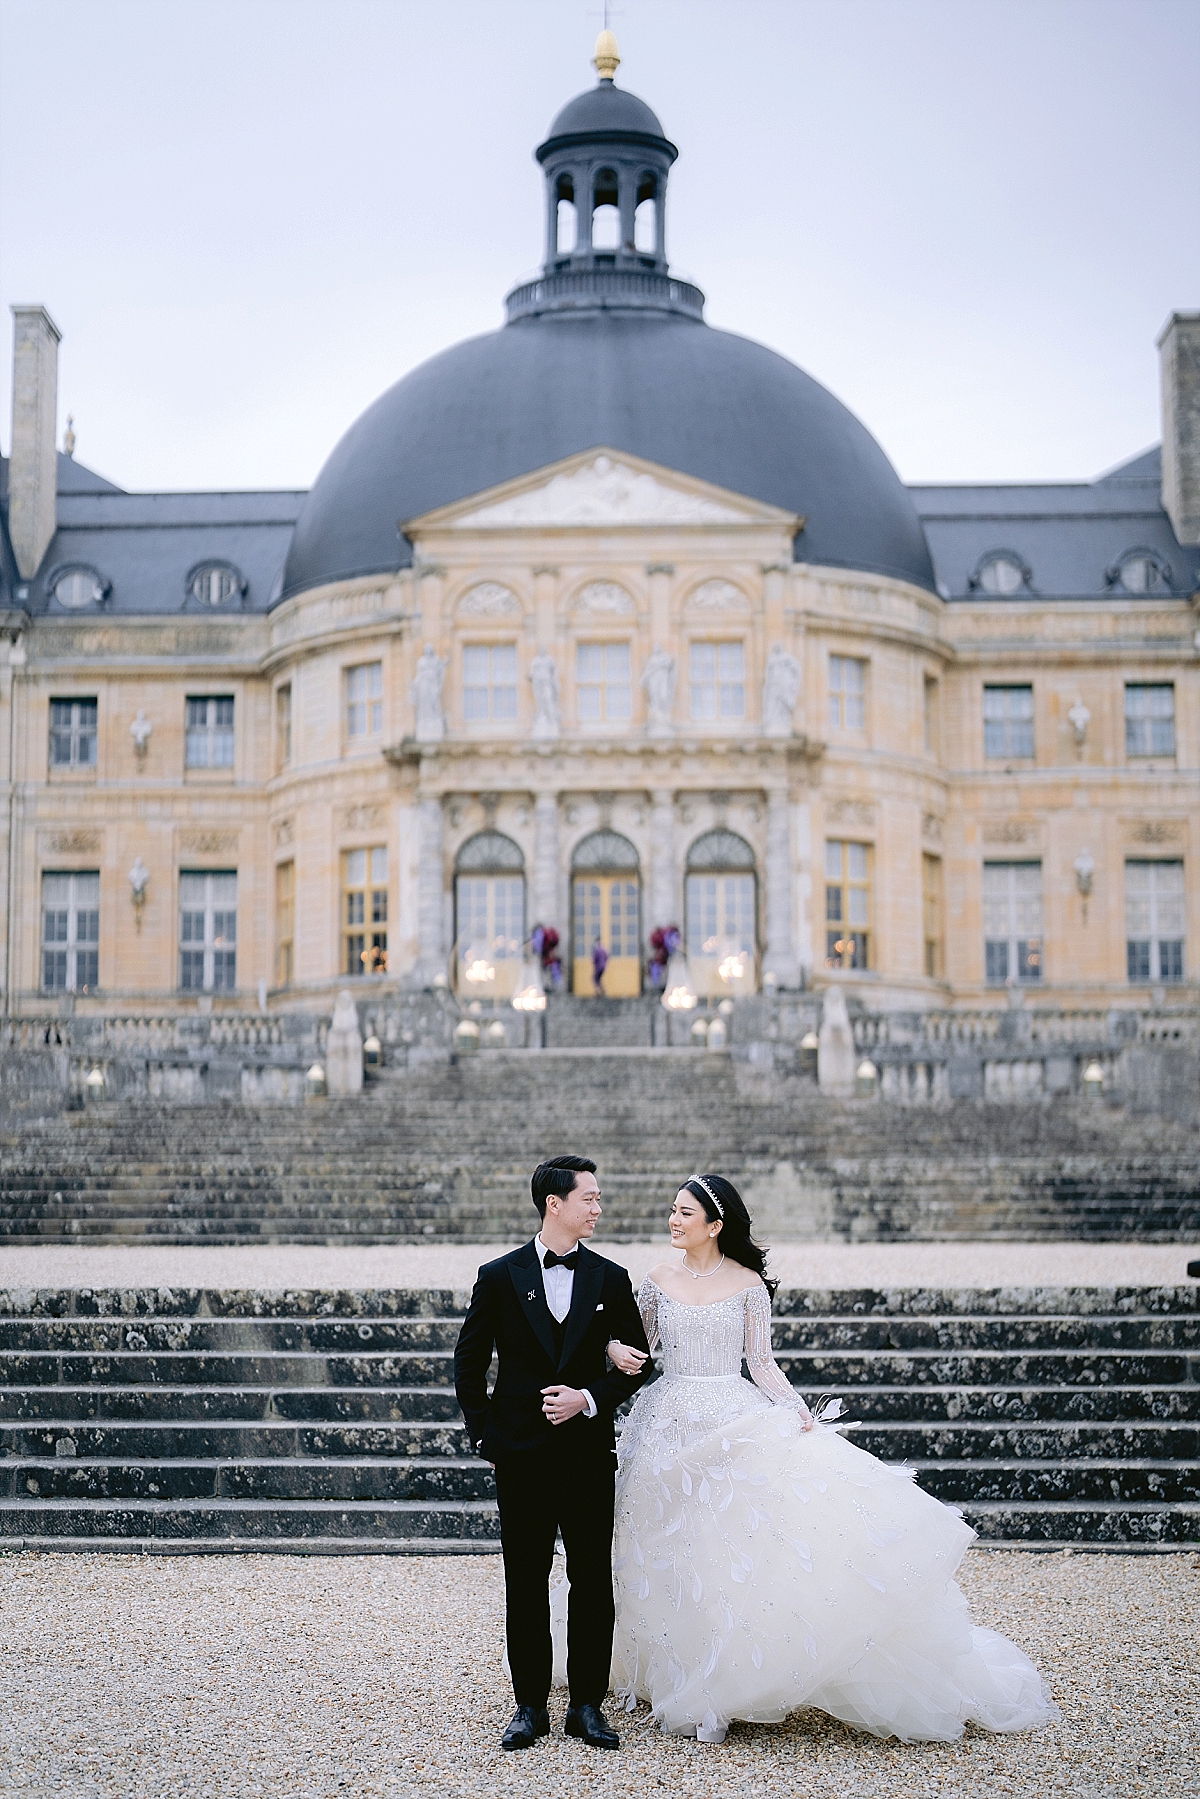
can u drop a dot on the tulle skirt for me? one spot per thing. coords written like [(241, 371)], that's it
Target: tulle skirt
[(760, 1567)]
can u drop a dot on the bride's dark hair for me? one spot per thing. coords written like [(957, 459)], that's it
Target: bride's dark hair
[(735, 1239)]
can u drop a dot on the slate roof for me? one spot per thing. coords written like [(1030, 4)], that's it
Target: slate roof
[(146, 544), (1068, 533)]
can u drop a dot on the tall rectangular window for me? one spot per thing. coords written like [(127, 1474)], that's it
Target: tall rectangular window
[(847, 693), (283, 725), (364, 700), (1007, 723), (489, 682), (209, 738), (208, 931), (932, 716), (365, 911), (72, 733), (71, 932), (1149, 719), (1012, 921), (718, 680), (931, 895), (1154, 921), (285, 922), (603, 683), (847, 904)]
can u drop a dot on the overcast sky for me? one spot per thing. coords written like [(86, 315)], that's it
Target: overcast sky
[(969, 219)]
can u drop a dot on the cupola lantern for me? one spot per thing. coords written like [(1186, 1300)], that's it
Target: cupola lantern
[(606, 162)]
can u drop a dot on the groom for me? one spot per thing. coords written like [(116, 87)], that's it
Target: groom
[(550, 1311)]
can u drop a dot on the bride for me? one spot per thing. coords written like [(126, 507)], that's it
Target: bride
[(763, 1562)]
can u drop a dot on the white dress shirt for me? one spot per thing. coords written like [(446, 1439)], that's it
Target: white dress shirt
[(558, 1284)]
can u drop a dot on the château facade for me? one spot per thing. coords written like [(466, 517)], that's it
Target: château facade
[(606, 622)]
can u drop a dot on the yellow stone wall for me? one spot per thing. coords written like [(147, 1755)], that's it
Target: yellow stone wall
[(882, 785)]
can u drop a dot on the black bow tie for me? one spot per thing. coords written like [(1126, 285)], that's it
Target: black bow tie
[(550, 1260)]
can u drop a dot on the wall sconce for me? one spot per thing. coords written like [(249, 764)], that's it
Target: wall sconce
[(139, 880), (140, 731), (1080, 719), (1085, 868)]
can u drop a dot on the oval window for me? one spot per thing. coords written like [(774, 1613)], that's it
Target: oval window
[(77, 587)]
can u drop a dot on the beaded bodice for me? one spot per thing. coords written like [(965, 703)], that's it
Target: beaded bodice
[(708, 1342)]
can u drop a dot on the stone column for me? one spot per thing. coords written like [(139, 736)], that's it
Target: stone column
[(780, 957), (543, 898), (662, 897), (431, 907)]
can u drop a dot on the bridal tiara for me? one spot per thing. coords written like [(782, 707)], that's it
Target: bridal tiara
[(701, 1182)]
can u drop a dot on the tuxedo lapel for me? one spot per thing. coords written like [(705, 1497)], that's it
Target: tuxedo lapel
[(585, 1292), (531, 1294)]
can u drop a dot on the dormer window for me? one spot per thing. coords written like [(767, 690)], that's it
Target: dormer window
[(79, 585), (1139, 571), (216, 584), (1001, 572)]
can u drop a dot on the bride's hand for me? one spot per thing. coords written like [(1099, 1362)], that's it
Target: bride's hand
[(628, 1361)]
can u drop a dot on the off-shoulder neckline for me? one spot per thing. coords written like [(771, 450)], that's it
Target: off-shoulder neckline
[(708, 1303)]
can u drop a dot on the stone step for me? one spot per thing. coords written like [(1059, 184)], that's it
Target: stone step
[(442, 1478), (952, 1405), (261, 1519), (213, 1439), (354, 1336), (1117, 1525), (808, 1370)]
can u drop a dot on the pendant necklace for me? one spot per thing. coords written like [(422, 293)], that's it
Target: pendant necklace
[(703, 1277)]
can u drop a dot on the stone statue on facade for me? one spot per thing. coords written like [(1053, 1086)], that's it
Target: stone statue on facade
[(781, 689), (658, 678), (426, 696), (543, 678)]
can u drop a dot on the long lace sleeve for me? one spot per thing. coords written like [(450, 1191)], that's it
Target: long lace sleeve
[(765, 1371), (647, 1300)]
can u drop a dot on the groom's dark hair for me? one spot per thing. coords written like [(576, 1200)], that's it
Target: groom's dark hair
[(557, 1176)]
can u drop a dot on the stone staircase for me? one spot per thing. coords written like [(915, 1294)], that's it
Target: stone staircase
[(325, 1422), (446, 1152)]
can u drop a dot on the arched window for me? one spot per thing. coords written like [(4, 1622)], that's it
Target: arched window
[(606, 219), (606, 893), (489, 908), (721, 914), (1001, 573), (567, 222), (1139, 571), (645, 218)]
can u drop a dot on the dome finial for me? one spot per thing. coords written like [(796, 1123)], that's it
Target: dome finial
[(69, 437), (606, 58)]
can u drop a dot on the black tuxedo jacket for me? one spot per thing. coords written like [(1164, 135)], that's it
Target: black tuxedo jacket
[(508, 1313)]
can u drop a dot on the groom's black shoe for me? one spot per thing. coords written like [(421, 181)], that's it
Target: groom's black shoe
[(588, 1722), (529, 1723)]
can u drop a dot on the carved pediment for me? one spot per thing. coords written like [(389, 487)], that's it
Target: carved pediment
[(602, 487), (489, 599)]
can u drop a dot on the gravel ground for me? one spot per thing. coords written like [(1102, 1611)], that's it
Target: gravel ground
[(984, 1264), (229, 1677)]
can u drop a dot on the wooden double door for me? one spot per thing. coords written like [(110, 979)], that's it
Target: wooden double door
[(607, 909)]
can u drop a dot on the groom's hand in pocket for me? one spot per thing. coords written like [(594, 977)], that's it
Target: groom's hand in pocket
[(561, 1403)]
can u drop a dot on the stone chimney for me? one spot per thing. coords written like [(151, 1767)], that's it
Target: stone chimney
[(32, 468), (1179, 361)]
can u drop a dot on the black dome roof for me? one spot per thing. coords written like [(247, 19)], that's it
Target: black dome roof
[(657, 385), (602, 109)]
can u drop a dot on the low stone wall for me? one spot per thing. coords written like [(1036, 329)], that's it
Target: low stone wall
[(1019, 1054)]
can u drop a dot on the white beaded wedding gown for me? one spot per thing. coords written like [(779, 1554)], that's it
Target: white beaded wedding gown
[(761, 1567)]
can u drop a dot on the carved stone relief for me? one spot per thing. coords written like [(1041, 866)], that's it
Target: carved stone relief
[(931, 827), (603, 492), (208, 843), (489, 599), (1010, 830), (850, 812), (285, 832), (364, 818), (717, 596), (604, 596), (1155, 830), (72, 843)]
